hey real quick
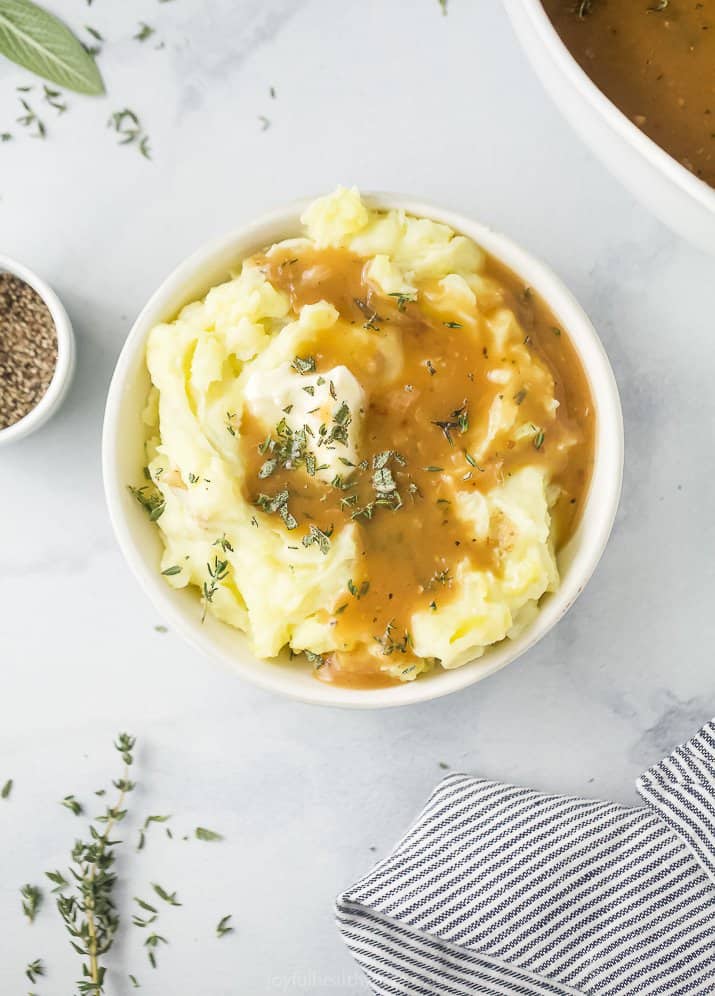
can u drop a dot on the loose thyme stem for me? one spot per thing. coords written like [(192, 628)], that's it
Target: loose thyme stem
[(94, 936), (94, 970)]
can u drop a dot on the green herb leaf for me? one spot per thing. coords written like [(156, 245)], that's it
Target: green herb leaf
[(145, 906), (168, 897), (40, 42), (145, 31), (69, 802), (31, 900), (304, 364), (203, 834), (34, 969), (319, 537), (6, 789), (223, 926), (87, 905), (152, 942), (58, 879)]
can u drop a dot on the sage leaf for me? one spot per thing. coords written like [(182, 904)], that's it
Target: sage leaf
[(37, 40)]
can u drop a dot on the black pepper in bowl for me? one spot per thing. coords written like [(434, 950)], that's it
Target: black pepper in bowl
[(28, 349)]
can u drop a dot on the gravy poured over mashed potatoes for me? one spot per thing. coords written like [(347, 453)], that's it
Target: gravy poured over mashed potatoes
[(367, 446)]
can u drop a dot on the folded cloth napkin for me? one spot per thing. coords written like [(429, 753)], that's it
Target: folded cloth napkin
[(503, 890)]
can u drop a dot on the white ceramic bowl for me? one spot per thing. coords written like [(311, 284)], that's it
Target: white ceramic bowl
[(139, 538), (57, 389), (669, 190)]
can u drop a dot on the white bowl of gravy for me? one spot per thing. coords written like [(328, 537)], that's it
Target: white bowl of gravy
[(123, 457), (637, 83)]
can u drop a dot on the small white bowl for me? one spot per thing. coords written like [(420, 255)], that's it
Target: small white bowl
[(123, 458), (64, 369), (674, 194)]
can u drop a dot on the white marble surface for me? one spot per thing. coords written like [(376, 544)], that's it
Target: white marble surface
[(386, 95)]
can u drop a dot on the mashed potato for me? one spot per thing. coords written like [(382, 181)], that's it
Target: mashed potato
[(354, 447)]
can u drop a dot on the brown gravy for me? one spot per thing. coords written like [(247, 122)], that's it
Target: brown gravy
[(656, 62), (408, 554)]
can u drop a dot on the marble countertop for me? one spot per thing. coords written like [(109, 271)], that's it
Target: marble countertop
[(388, 96)]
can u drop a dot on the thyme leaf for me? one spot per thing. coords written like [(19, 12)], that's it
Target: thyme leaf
[(208, 835)]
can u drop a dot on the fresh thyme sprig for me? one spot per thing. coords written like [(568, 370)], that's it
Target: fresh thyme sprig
[(218, 572), (31, 901), (458, 420), (151, 500), (34, 969), (88, 911)]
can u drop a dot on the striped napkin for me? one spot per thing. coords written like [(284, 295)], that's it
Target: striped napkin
[(503, 890)]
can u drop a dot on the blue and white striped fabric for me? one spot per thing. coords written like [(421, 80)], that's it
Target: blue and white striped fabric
[(508, 892)]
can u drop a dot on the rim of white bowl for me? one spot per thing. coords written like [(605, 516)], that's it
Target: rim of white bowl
[(614, 116), (605, 482), (64, 368)]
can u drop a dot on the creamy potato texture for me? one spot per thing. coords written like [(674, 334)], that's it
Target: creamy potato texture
[(366, 445)]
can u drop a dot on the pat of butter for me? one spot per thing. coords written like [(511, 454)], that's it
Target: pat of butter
[(323, 402)]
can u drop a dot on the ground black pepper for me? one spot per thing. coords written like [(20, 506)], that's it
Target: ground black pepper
[(28, 349)]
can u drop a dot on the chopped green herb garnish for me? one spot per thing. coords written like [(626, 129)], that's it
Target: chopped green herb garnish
[(223, 926), (372, 317), (389, 644), (6, 789), (403, 300), (277, 503), (151, 500), (319, 537), (358, 592), (304, 364), (218, 572)]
